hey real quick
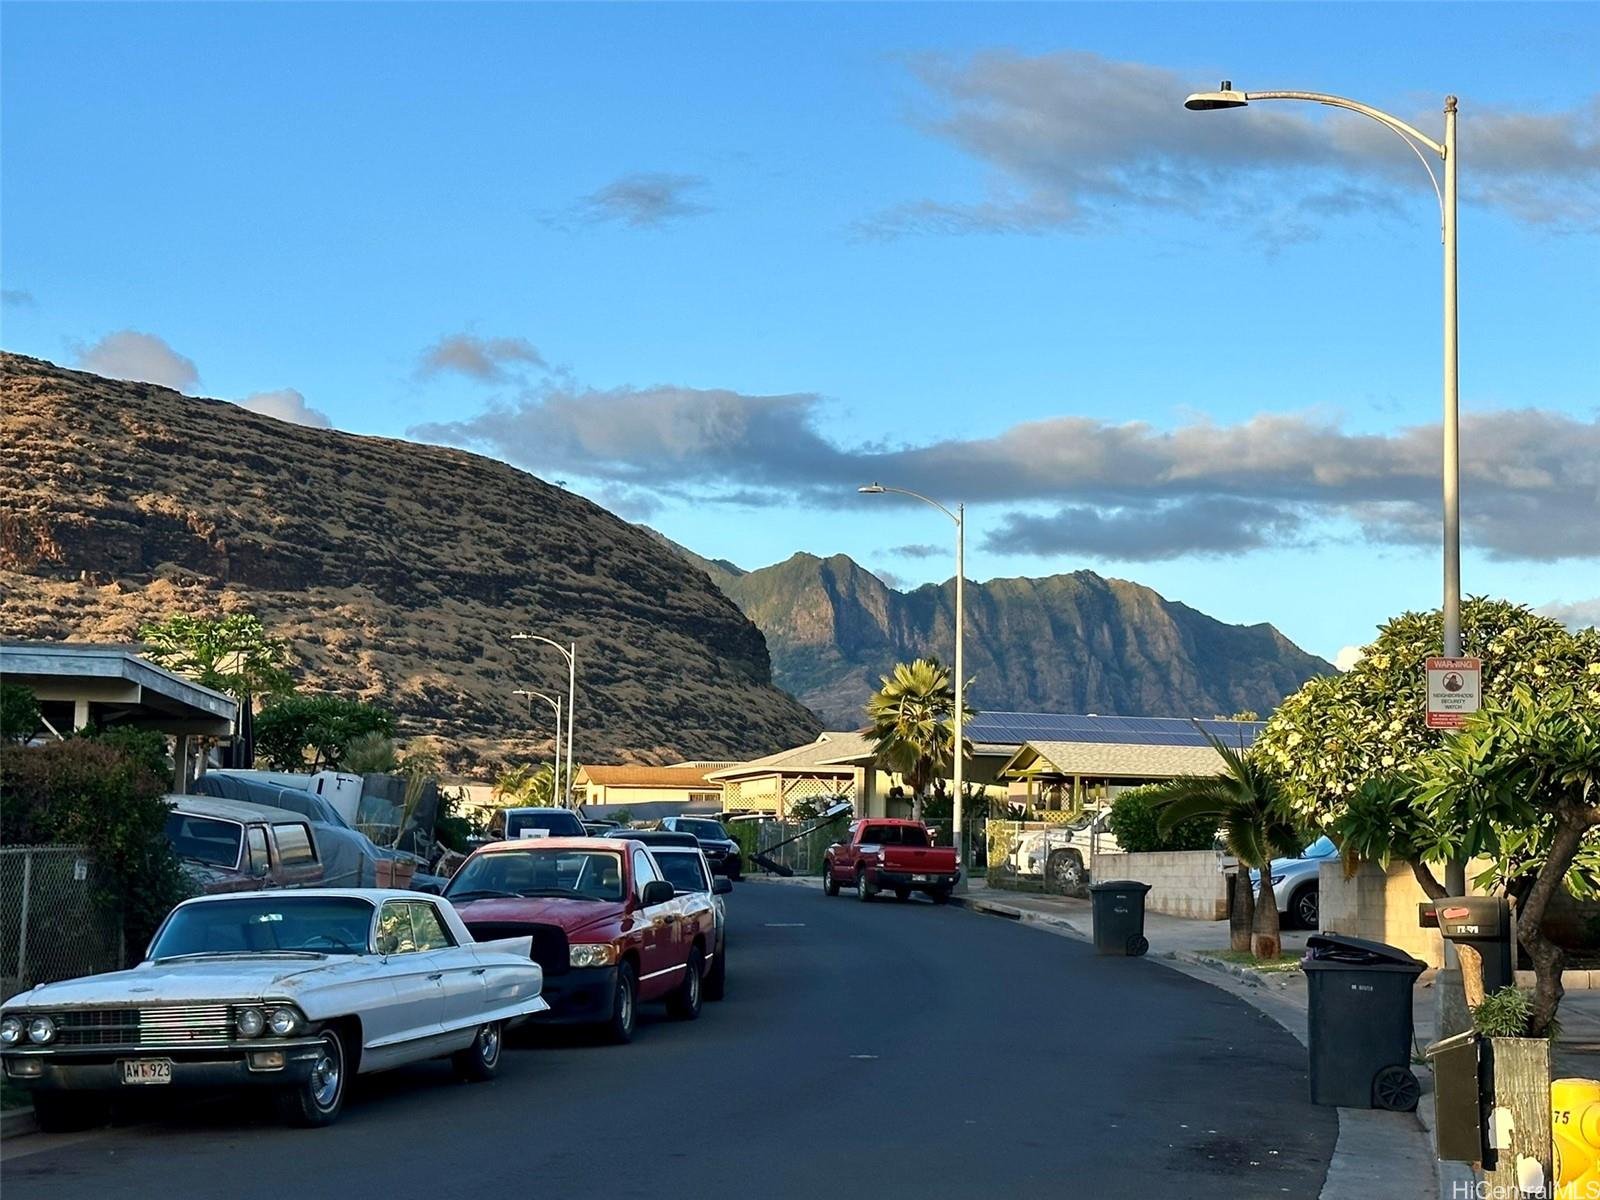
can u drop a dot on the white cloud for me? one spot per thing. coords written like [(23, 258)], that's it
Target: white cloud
[(1575, 614), (286, 404), (1348, 657), (129, 354), (485, 359)]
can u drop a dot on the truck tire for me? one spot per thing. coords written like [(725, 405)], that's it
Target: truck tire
[(864, 890), (625, 1007), (717, 977), (940, 895), (1065, 873), (685, 1002), (902, 893), (830, 885)]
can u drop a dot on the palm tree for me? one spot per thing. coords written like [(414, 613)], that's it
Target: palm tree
[(529, 784), (912, 714), (1256, 827)]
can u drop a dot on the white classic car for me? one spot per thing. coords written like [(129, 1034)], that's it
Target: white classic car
[(297, 990)]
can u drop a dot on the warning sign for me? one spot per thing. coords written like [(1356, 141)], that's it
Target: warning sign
[(1453, 691)]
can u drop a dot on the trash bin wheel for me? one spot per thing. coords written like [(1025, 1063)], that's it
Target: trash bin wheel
[(1137, 946), (1396, 1089)]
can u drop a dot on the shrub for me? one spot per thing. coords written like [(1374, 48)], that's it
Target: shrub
[(85, 791), (1134, 825), (19, 713), (286, 728)]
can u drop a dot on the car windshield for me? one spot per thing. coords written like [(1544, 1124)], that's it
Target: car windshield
[(264, 924), (574, 874), (204, 839), (553, 822), (1321, 848), (709, 830), (681, 868)]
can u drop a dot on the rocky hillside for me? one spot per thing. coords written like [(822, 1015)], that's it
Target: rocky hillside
[(1065, 643), (396, 571)]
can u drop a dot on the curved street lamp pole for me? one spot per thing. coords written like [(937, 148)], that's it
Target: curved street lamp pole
[(1227, 97), (555, 704), (959, 516), (570, 653)]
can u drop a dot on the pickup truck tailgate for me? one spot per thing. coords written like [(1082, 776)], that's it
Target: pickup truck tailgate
[(921, 860)]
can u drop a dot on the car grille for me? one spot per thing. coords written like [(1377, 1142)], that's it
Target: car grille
[(152, 1028), (549, 941)]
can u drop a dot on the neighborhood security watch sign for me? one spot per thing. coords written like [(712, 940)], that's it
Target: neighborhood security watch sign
[(1453, 691)]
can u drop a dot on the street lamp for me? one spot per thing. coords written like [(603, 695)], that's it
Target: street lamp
[(960, 518), (1227, 97), (555, 704), (570, 653)]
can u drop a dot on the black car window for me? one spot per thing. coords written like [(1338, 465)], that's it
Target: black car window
[(555, 821), (705, 829), (682, 869), (205, 839)]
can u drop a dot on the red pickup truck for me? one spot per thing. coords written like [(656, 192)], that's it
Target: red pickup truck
[(898, 856)]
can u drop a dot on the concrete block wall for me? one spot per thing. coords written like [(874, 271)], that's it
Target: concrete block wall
[(1183, 883), (1378, 905)]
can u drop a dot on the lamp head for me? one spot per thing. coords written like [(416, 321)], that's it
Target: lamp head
[(1224, 97), (872, 489)]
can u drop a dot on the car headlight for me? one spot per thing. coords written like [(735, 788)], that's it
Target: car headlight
[(41, 1031), (11, 1031), (250, 1022), (1276, 880), (283, 1021), (591, 954)]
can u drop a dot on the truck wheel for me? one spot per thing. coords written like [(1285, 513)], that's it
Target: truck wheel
[(940, 895), (479, 1061), (864, 891), (1065, 873), (717, 977), (624, 1008), (685, 1002), (830, 885), (902, 893), (320, 1099), (68, 1112)]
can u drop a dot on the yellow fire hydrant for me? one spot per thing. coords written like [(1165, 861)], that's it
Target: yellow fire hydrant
[(1575, 1130)]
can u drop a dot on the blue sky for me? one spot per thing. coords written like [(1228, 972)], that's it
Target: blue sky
[(711, 265)]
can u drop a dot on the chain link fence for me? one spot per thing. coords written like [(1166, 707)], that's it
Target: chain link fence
[(1050, 852), (52, 926)]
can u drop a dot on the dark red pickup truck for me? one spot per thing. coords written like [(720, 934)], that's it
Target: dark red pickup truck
[(884, 855)]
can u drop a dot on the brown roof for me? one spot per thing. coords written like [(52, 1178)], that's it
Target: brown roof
[(624, 775)]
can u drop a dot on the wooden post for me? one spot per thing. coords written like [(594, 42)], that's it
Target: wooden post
[(1518, 1116)]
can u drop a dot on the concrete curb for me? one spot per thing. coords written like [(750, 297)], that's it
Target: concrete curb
[(994, 908), (18, 1122)]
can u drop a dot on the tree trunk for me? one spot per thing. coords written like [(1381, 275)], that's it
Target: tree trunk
[(1431, 887), (1546, 955), (916, 806), (1242, 913), (1267, 944)]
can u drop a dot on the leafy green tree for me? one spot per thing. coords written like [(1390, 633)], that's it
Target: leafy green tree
[(1246, 802), (296, 733), (1527, 763), (19, 713), (232, 654), (528, 785), (913, 731), (1137, 828)]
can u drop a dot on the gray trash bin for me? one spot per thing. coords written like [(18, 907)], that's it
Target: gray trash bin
[(1119, 917), (1359, 1021)]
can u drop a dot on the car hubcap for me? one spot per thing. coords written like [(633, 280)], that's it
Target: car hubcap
[(489, 1044), (626, 1001), (325, 1077), (694, 983), (1308, 911)]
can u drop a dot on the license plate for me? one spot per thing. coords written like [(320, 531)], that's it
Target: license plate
[(921, 878), (147, 1070)]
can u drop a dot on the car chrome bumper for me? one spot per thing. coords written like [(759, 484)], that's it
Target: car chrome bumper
[(102, 1072)]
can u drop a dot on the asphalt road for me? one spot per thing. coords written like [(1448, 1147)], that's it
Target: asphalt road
[(881, 1051)]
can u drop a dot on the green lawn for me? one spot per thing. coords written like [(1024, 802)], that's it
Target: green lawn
[(1289, 960)]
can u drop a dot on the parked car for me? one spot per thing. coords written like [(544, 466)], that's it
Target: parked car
[(683, 864), (292, 990), (600, 827), (1063, 854), (608, 930), (1294, 884), (236, 846), (513, 823), (900, 856), (721, 851)]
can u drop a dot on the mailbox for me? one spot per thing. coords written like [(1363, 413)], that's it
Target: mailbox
[(1484, 923)]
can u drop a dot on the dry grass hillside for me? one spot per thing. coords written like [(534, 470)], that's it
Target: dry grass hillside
[(396, 571)]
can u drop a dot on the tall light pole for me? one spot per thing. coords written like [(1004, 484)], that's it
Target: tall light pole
[(570, 653), (1227, 97), (555, 704), (960, 518)]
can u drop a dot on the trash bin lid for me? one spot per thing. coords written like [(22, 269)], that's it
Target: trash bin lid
[(1336, 952), (1120, 885)]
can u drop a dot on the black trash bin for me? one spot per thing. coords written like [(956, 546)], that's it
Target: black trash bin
[(1360, 1023), (1119, 917)]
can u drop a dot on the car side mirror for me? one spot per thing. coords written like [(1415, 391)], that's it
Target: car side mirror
[(721, 885), (657, 891)]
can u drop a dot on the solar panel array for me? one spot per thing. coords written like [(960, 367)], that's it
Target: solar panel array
[(1007, 728)]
